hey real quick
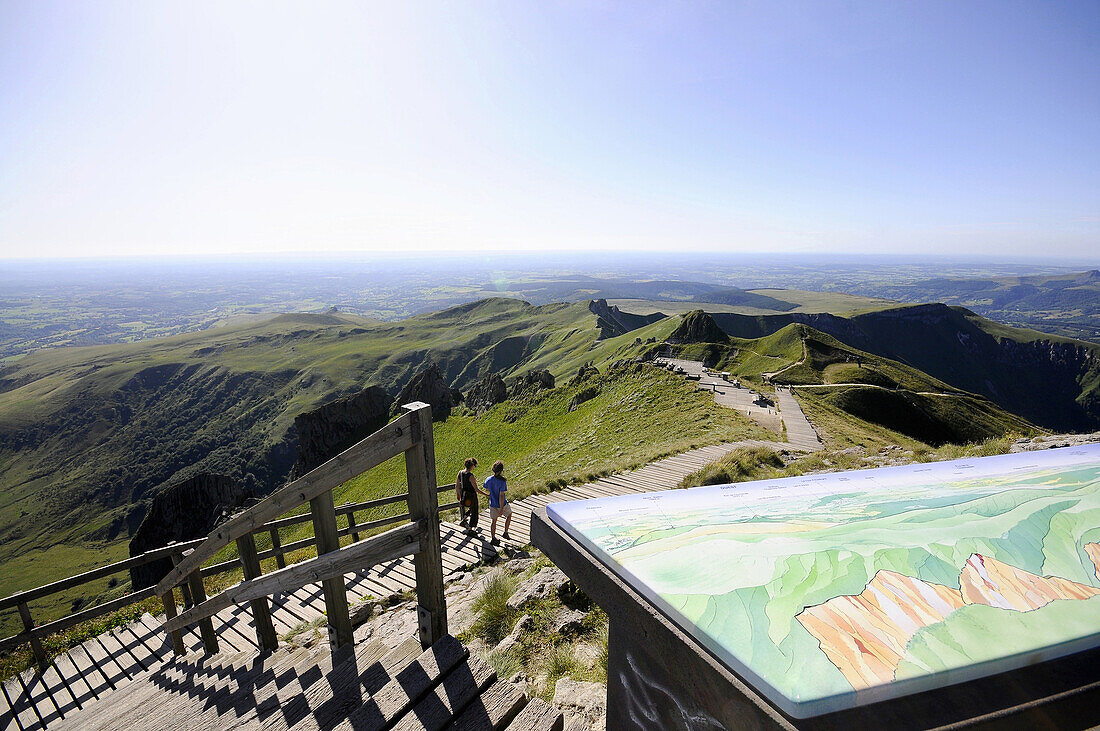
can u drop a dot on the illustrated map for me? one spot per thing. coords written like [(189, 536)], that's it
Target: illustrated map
[(832, 591)]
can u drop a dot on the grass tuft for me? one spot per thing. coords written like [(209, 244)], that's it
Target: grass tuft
[(494, 617)]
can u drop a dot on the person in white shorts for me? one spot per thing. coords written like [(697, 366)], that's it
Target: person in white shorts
[(496, 486)]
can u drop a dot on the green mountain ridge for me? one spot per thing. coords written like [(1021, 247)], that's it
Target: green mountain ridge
[(88, 435), (1047, 379)]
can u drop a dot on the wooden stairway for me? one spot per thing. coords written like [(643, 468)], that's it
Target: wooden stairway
[(88, 675), (370, 687)]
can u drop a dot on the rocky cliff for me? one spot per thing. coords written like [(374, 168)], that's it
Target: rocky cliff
[(184, 511), (326, 431), (698, 327), (428, 386), (612, 321), (486, 393), (989, 581), (865, 635)]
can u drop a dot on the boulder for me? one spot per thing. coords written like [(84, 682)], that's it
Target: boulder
[(584, 705), (567, 621), (428, 386), (330, 429), (182, 512), (531, 382), (524, 624), (545, 583), (486, 393)]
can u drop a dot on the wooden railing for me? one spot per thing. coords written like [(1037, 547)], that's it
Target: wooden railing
[(248, 560), (411, 434)]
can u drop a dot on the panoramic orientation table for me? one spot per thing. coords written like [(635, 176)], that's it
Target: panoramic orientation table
[(913, 596)]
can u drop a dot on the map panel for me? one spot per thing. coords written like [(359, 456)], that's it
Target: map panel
[(832, 591)]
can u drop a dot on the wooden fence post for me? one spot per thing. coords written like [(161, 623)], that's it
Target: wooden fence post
[(185, 590), (261, 612), (336, 594), (423, 506), (36, 644), (169, 602), (206, 626), (277, 547), (351, 526)]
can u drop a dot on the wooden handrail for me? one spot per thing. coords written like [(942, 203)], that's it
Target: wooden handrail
[(392, 439), (409, 433), (404, 541), (74, 619), (117, 567)]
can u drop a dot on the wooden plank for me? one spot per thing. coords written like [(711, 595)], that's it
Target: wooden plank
[(389, 702), (78, 686), (206, 627), (276, 547), (129, 644), (385, 546), (169, 603), (423, 506), (28, 627), (149, 632), (9, 717), (538, 715), (117, 654), (96, 679), (493, 709), (261, 613), (60, 697), (37, 695), (23, 709), (438, 708), (388, 441), (336, 594), (323, 704)]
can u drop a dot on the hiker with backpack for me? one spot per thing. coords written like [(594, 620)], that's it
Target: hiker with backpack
[(466, 491), (497, 485)]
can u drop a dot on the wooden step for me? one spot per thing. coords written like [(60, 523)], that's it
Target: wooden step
[(538, 715), (493, 709), (436, 710)]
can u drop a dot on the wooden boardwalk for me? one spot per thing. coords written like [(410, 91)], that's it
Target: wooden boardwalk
[(94, 671)]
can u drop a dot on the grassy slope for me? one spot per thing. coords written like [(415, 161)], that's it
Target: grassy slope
[(76, 482), (894, 404), (637, 417)]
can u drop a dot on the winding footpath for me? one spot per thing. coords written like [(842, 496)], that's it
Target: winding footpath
[(90, 672)]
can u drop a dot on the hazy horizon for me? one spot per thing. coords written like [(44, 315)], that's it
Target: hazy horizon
[(211, 129)]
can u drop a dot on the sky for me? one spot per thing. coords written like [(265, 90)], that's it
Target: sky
[(196, 128)]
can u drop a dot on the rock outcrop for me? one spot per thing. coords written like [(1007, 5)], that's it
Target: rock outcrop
[(612, 321), (486, 393), (583, 704), (182, 512), (546, 582), (531, 382), (585, 394), (585, 372), (326, 431), (428, 386), (698, 327)]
